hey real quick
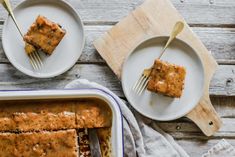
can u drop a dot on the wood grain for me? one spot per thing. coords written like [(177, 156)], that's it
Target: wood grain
[(10, 78), (196, 12), (183, 129), (205, 117), (157, 17), (222, 84), (220, 41), (211, 21)]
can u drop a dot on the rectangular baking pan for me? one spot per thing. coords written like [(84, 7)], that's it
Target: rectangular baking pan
[(117, 124)]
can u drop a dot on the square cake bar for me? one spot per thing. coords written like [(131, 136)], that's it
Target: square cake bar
[(32, 144), (167, 79), (44, 34)]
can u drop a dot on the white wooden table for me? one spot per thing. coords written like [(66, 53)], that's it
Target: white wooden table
[(212, 20)]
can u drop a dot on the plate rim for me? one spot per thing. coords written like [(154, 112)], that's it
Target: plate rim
[(37, 74), (126, 60)]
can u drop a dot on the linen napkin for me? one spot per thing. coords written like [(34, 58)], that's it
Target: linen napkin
[(222, 149), (143, 138)]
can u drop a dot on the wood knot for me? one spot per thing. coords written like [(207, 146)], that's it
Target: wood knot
[(178, 127), (77, 75), (229, 82), (211, 1)]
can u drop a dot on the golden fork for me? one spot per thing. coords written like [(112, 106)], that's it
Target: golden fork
[(141, 84), (34, 57)]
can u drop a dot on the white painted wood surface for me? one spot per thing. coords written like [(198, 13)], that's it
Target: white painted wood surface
[(220, 41), (196, 12), (212, 20)]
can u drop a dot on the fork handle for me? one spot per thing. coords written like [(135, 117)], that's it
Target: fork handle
[(179, 26), (7, 6)]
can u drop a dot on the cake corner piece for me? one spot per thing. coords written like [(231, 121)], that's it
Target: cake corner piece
[(167, 79)]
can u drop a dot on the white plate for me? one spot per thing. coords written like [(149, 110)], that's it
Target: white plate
[(156, 106), (67, 52)]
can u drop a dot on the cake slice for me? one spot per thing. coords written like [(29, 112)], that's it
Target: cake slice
[(53, 115), (39, 144), (92, 114), (167, 79), (44, 34), (36, 116), (29, 49)]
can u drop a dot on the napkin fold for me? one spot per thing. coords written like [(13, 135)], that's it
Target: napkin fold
[(142, 136)]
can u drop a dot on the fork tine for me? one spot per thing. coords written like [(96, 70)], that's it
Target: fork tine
[(33, 62), (38, 58), (36, 61), (139, 83), (142, 82), (134, 86), (144, 86)]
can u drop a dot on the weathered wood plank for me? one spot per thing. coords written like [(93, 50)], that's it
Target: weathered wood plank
[(223, 83), (204, 12), (221, 41), (10, 78), (183, 129), (196, 148), (224, 106)]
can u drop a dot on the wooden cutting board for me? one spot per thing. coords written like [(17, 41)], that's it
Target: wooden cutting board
[(157, 17)]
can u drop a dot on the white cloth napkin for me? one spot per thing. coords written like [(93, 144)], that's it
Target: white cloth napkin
[(222, 149), (143, 138)]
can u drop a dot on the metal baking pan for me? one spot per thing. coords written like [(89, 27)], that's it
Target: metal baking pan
[(117, 124)]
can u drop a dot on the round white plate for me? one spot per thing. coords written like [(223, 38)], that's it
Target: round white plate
[(156, 106), (66, 53)]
